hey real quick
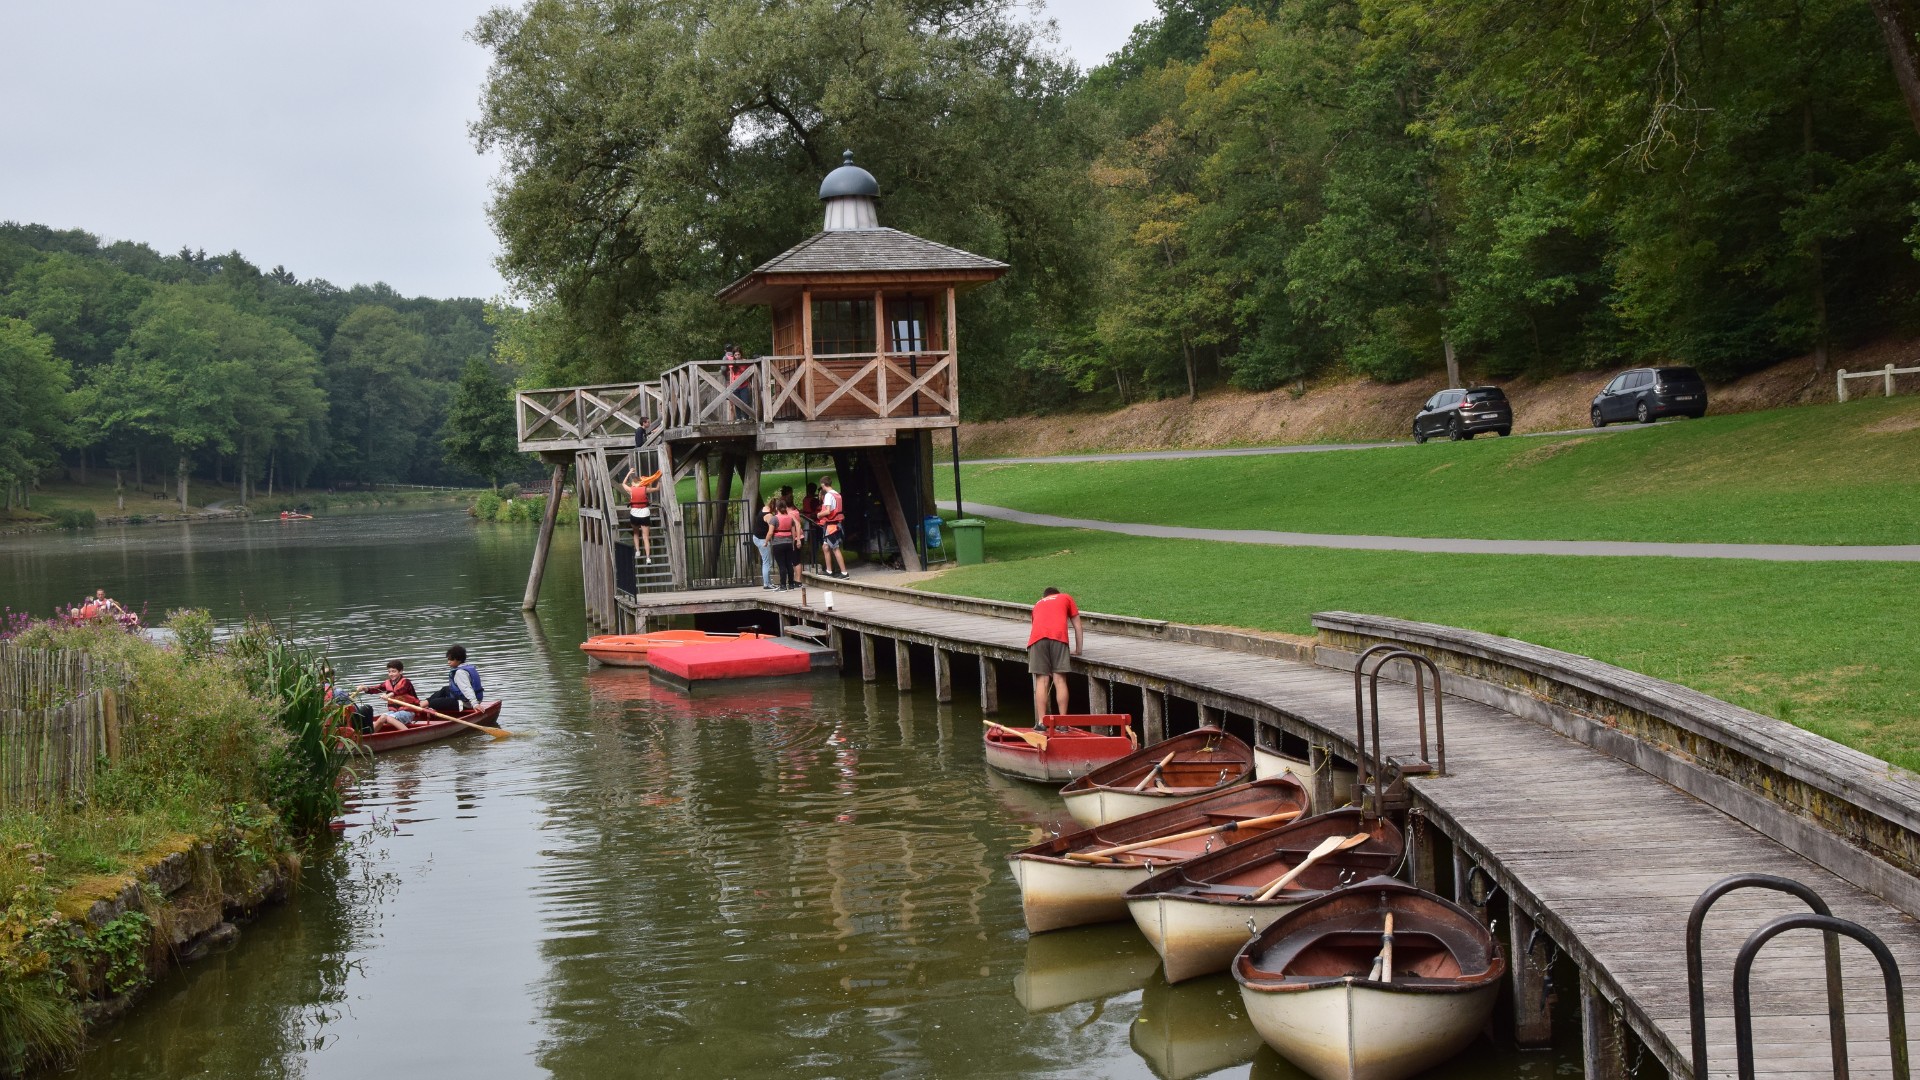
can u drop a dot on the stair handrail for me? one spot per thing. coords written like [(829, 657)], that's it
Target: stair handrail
[(1889, 974), (1696, 966)]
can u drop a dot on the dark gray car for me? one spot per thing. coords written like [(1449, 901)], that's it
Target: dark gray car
[(1462, 414), (1646, 394)]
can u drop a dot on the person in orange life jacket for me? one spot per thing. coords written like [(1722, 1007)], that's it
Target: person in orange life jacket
[(464, 692), (399, 687), (832, 529), (1047, 659), (810, 512), (783, 537), (640, 508)]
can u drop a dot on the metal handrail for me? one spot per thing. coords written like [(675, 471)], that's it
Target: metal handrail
[(1376, 764), (1696, 967), (1827, 924)]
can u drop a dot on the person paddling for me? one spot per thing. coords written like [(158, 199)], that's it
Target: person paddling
[(463, 692), (400, 688)]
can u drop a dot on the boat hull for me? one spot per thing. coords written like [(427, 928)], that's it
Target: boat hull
[(1364, 1031), (631, 650), (1099, 806), (1270, 763), (1071, 752), (1200, 762), (1056, 895), (1195, 938), (431, 731)]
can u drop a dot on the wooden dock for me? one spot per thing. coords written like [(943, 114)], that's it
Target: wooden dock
[(1575, 852)]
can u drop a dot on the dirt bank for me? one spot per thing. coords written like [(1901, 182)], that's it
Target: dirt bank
[(1353, 410)]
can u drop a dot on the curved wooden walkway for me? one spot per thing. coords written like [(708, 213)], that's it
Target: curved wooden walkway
[(1604, 858)]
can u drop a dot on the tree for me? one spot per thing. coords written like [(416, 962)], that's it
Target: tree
[(479, 434), (380, 404), (33, 403)]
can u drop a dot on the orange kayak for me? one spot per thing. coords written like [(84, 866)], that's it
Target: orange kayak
[(630, 650)]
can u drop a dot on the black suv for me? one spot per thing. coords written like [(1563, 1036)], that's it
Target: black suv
[(1462, 414), (1647, 393)]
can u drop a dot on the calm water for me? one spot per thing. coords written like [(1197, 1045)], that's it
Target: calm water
[(804, 880)]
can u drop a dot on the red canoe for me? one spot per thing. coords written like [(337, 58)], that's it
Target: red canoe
[(1070, 751), (432, 731), (630, 650)]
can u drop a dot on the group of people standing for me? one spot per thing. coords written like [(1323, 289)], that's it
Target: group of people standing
[(786, 532)]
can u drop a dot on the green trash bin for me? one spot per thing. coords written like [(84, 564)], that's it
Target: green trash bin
[(969, 540)]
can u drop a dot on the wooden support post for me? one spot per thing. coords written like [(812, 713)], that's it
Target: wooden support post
[(1840, 384), (1097, 695), (989, 686), (1528, 959), (1603, 1039), (942, 675), (1321, 782), (1153, 715), (837, 638), (868, 670), (1209, 716), (902, 665), (896, 517), (1463, 875), (1423, 851), (545, 542), (668, 529)]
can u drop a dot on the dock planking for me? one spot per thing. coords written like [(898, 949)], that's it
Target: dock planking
[(1606, 859)]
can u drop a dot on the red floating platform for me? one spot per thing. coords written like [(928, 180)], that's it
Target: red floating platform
[(739, 659)]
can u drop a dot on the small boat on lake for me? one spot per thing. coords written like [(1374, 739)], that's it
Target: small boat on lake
[(432, 730), (1273, 763), (1198, 914), (630, 650), (1077, 879), (1060, 749), (1203, 760), (1376, 981)]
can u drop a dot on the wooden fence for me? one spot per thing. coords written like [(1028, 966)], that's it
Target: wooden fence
[(1884, 374), (60, 713)]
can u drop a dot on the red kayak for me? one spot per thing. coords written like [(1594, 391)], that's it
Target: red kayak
[(1065, 751), (630, 650), (430, 731)]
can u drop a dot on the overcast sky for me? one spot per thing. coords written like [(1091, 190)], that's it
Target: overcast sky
[(329, 137)]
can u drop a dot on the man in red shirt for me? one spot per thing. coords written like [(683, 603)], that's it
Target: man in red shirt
[(1047, 658)]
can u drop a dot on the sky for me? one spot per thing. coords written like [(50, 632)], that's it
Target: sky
[(330, 138)]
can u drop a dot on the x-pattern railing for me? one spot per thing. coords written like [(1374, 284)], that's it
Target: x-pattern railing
[(584, 414), (894, 384), (705, 392)]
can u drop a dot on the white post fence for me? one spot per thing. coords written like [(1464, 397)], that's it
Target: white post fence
[(1887, 373)]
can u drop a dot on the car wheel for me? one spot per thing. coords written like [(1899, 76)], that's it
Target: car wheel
[(1598, 420), (1505, 431), (1456, 433), (1695, 415), (1641, 414), (1419, 437)]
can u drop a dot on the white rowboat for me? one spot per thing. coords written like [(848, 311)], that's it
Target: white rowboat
[(1203, 760)]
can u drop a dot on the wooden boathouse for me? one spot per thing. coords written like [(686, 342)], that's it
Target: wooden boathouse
[(864, 369)]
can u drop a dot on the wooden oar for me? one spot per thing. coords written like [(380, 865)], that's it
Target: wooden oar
[(1385, 960), (1033, 738), (1106, 854), (498, 733), (1154, 773), (1326, 847)]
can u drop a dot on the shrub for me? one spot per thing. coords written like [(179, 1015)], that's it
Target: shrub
[(510, 491), (486, 506), (67, 518), (304, 770), (192, 630)]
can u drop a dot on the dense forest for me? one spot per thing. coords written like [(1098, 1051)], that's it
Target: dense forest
[(1256, 192), (166, 367)]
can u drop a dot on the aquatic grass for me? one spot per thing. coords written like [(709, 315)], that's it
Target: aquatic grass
[(304, 770)]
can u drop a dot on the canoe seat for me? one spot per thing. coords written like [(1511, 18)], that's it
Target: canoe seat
[(815, 633), (1161, 854)]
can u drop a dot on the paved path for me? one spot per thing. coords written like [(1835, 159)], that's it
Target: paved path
[(1348, 542), (1607, 854), (1258, 451)]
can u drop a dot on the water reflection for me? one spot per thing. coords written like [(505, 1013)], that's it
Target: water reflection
[(1193, 1029), (1086, 963)]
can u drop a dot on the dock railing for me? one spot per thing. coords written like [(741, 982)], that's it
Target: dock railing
[(706, 393), (856, 386), (61, 713), (584, 417)]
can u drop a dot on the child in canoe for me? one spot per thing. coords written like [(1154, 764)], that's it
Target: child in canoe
[(400, 688)]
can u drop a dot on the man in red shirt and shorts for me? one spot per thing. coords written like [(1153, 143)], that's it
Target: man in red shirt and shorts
[(1047, 654)]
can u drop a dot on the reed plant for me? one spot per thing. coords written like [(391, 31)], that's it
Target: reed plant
[(304, 771)]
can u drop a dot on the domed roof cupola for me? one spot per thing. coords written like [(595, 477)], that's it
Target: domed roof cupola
[(851, 194)]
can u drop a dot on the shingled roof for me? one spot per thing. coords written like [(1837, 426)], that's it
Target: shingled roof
[(866, 251)]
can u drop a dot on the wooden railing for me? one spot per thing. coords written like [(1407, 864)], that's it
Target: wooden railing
[(702, 393), (584, 417), (853, 386), (60, 714)]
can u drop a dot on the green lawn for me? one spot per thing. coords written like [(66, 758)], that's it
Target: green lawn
[(1832, 647), (1829, 474)]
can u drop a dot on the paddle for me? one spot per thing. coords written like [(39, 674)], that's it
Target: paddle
[(1154, 773), (1326, 847), (1385, 960), (1106, 854), (498, 733), (1033, 738)]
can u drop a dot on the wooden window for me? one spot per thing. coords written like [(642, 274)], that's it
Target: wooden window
[(842, 326), (906, 324)]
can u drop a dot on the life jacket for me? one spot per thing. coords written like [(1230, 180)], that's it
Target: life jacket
[(473, 673), (401, 688), (786, 525), (637, 496)]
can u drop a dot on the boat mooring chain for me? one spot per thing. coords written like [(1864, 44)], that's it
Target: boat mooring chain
[(1553, 955), (1493, 887), (1639, 1055)]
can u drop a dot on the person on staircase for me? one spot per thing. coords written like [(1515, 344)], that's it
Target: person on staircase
[(640, 509)]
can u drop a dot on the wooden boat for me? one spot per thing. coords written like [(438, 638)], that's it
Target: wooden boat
[(1272, 763), (1329, 989), (1204, 759), (1198, 914), (1069, 747), (630, 650), (1058, 890), (432, 730)]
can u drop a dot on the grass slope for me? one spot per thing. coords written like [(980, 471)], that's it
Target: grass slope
[(1830, 474), (1832, 647)]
